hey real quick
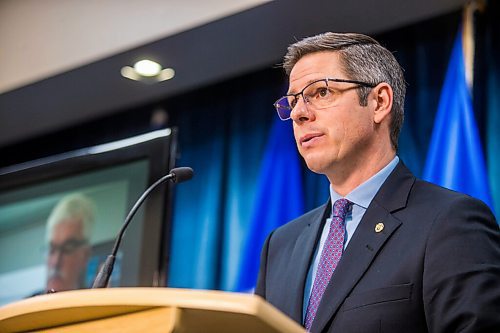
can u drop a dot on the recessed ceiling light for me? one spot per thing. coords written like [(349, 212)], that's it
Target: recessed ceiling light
[(147, 71), (147, 68)]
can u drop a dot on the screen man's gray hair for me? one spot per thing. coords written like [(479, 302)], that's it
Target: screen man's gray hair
[(76, 206)]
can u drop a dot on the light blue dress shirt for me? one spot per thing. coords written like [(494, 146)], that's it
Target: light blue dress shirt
[(361, 197)]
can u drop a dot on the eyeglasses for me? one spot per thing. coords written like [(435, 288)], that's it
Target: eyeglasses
[(316, 94), (68, 247)]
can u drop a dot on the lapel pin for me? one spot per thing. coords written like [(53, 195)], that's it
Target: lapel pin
[(379, 227)]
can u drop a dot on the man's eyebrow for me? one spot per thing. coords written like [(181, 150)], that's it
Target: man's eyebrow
[(305, 85)]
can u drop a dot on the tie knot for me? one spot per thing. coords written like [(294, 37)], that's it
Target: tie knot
[(341, 207)]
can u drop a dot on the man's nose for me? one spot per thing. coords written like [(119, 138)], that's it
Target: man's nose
[(301, 112), (55, 258)]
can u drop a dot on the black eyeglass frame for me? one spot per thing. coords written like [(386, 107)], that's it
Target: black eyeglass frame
[(277, 106), (68, 247)]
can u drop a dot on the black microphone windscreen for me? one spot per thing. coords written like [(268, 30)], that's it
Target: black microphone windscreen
[(182, 174)]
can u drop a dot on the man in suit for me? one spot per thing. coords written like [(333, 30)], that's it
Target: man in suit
[(388, 252)]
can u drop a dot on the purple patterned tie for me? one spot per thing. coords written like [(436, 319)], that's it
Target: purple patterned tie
[(330, 256)]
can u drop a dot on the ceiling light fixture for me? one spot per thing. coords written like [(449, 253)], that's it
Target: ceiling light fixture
[(147, 68), (147, 71)]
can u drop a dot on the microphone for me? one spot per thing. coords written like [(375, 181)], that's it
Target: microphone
[(176, 175)]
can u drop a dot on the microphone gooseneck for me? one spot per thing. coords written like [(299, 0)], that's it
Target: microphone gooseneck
[(177, 175)]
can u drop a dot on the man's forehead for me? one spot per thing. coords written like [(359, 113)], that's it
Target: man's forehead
[(312, 67), (68, 226)]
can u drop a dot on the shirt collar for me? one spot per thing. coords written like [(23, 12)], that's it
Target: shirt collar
[(364, 193)]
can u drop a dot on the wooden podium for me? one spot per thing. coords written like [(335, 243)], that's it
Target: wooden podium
[(145, 310)]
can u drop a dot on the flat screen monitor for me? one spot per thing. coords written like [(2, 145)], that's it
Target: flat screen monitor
[(41, 200)]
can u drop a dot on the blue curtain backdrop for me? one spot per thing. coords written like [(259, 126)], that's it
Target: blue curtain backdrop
[(493, 135), (455, 158), (223, 137), (279, 198), (225, 131), (492, 99)]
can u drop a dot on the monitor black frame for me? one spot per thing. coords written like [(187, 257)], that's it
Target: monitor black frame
[(159, 148)]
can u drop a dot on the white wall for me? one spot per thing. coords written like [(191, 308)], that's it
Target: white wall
[(41, 38)]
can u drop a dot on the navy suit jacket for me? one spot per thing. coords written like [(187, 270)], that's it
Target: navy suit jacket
[(435, 266)]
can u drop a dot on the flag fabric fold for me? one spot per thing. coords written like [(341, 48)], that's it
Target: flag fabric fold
[(455, 157)]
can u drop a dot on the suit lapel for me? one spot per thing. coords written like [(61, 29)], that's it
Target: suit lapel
[(365, 243), (300, 260)]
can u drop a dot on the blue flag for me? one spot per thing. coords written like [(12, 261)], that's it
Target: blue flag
[(279, 198), (455, 158)]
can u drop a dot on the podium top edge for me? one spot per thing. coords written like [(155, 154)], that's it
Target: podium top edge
[(139, 297), (122, 300)]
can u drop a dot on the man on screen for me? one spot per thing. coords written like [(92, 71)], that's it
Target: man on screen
[(388, 252), (68, 234)]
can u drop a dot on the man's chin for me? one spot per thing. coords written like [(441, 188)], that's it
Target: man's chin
[(316, 164)]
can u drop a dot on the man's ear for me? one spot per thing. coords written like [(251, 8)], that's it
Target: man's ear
[(383, 97)]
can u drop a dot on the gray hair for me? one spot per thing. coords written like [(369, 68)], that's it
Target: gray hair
[(77, 206), (363, 59)]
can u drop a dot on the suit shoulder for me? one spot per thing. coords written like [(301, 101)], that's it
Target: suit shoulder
[(444, 195), (437, 200)]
